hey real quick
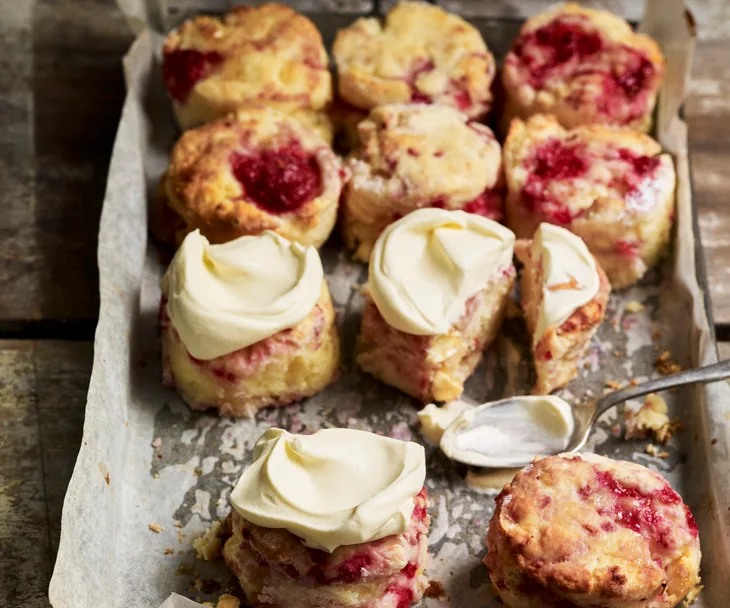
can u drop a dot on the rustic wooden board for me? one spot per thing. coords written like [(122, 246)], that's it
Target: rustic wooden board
[(42, 398)]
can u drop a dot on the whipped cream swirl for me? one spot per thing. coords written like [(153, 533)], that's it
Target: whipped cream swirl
[(570, 276), (425, 266), (221, 298), (335, 487)]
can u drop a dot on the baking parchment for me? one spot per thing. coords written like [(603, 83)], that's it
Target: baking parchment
[(147, 459)]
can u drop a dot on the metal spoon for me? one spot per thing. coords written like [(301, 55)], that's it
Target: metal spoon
[(583, 419)]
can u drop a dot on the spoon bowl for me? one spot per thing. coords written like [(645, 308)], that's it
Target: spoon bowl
[(499, 449)]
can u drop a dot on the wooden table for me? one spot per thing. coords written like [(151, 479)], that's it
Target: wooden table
[(61, 91)]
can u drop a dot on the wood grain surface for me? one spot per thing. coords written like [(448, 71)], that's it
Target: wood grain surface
[(61, 91)]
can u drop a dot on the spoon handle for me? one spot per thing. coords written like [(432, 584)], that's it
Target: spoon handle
[(709, 373)]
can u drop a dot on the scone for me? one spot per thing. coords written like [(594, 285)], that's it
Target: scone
[(585, 66), (340, 521), (564, 297), (612, 187), (437, 288), (583, 530), (252, 171), (413, 156), (420, 53), (247, 324), (268, 55)]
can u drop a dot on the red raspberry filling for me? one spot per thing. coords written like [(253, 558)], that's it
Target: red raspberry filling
[(488, 204), (421, 66), (278, 180), (182, 69), (636, 510), (560, 160), (567, 48)]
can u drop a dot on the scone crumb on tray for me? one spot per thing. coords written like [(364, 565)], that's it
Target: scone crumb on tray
[(651, 420), (634, 306), (168, 551), (178, 524), (656, 335), (653, 450), (436, 590), (665, 365), (612, 384), (208, 545), (156, 528), (692, 595), (228, 601)]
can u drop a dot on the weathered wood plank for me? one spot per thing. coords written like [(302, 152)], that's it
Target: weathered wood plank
[(42, 397)]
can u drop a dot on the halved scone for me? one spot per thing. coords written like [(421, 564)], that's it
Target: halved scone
[(564, 296)]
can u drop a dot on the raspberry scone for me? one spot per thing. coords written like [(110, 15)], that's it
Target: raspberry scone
[(564, 297), (437, 289), (420, 53), (252, 171), (583, 530), (413, 156), (268, 55), (585, 66), (612, 187), (334, 519), (247, 324)]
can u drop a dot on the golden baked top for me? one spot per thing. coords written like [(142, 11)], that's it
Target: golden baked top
[(269, 54), (419, 53)]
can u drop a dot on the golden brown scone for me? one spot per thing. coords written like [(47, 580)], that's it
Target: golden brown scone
[(268, 55), (558, 349), (583, 530), (585, 66), (413, 156), (420, 53), (612, 187), (252, 171), (289, 366)]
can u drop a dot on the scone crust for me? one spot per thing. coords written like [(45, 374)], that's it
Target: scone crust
[(591, 91), (619, 197), (418, 53), (558, 351), (289, 366), (584, 530), (413, 156), (268, 54), (202, 190)]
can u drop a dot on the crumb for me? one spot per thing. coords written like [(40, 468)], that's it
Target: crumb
[(633, 382), (614, 322), (656, 348), (616, 430), (663, 455), (713, 441), (209, 604), (656, 335), (586, 364), (617, 353), (228, 601), (105, 472), (157, 442), (634, 306), (156, 528), (651, 420), (651, 449), (169, 551), (156, 476), (665, 365), (179, 537), (198, 585), (198, 472), (208, 545), (692, 595), (184, 570), (178, 524), (436, 590), (613, 384), (159, 456)]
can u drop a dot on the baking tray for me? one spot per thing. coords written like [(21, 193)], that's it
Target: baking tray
[(147, 459)]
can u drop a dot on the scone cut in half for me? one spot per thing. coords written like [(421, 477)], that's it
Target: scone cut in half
[(247, 324), (564, 296), (585, 66), (413, 156), (266, 55), (583, 530), (252, 171), (419, 53), (334, 519), (612, 187), (437, 289)]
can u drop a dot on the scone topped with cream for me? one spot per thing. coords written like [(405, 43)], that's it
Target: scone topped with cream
[(265, 55), (437, 287), (337, 518), (413, 156), (247, 324), (564, 297)]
